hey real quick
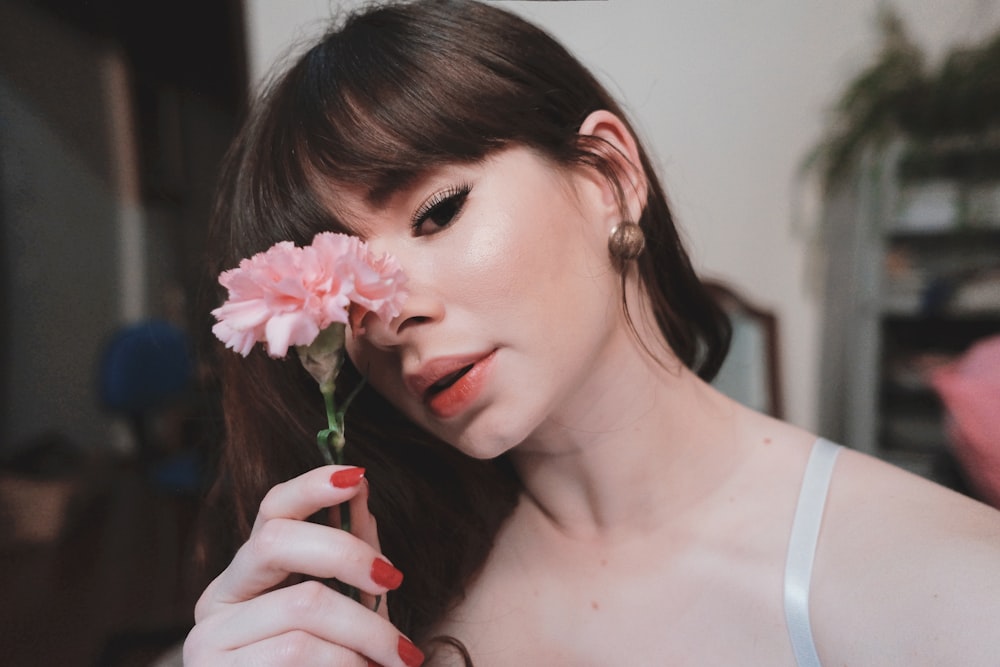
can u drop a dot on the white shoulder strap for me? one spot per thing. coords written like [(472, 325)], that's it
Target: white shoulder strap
[(802, 550)]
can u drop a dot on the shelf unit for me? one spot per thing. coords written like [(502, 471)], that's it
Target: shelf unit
[(907, 290)]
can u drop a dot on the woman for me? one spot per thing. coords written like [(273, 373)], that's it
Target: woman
[(554, 481)]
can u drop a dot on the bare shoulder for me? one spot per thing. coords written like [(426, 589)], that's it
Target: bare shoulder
[(907, 568)]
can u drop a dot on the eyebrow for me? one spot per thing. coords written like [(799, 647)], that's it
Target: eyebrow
[(393, 182), (389, 185)]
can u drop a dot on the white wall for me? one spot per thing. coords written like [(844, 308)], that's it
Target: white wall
[(730, 95)]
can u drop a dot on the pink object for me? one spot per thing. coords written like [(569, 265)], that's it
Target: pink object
[(287, 294), (970, 389)]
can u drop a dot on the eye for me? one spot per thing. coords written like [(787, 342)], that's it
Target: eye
[(440, 210)]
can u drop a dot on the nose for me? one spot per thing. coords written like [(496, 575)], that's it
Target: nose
[(419, 310)]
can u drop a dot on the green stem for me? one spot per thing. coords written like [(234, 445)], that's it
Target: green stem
[(331, 408), (331, 444)]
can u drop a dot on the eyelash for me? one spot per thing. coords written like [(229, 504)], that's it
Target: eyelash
[(453, 197)]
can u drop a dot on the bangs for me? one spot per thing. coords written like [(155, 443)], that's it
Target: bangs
[(394, 93), (387, 98)]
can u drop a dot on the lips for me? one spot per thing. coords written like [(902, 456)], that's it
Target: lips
[(448, 385), (449, 380)]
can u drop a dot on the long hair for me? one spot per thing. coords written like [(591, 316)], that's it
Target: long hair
[(382, 98)]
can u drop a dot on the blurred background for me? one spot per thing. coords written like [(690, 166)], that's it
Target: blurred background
[(835, 168)]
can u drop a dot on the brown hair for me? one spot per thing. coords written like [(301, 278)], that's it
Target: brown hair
[(390, 93)]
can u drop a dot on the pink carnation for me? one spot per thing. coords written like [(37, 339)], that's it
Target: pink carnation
[(377, 280), (286, 295)]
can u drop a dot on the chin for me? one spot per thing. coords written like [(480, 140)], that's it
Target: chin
[(485, 441), (484, 448), (487, 432)]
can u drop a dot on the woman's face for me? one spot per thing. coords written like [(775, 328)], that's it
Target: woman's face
[(513, 301)]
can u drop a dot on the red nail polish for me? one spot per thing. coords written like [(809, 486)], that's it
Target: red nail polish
[(346, 478), (411, 655), (386, 575)]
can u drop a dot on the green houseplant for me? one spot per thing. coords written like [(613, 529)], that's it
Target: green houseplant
[(948, 115)]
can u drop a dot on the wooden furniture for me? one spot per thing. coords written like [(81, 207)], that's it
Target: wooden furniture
[(111, 581), (751, 373)]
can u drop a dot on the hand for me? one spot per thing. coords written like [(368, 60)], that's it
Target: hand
[(252, 615)]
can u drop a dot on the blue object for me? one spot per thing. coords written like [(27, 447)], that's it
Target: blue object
[(145, 366)]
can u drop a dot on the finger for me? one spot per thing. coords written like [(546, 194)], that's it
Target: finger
[(310, 492), (362, 521), (365, 527), (292, 648), (316, 610), (281, 547)]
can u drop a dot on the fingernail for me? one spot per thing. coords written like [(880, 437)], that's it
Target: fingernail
[(346, 478), (386, 575), (411, 655)]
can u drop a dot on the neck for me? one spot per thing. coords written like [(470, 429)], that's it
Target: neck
[(661, 442)]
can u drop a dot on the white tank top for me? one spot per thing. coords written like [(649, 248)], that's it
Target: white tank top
[(802, 550)]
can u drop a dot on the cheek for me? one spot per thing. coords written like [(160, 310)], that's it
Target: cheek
[(549, 272), (558, 266), (381, 372), (491, 269), (373, 364), (354, 351)]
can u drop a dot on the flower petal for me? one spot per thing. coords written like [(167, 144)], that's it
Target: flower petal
[(285, 330), (286, 295)]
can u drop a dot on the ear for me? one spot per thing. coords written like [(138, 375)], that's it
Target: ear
[(621, 147)]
